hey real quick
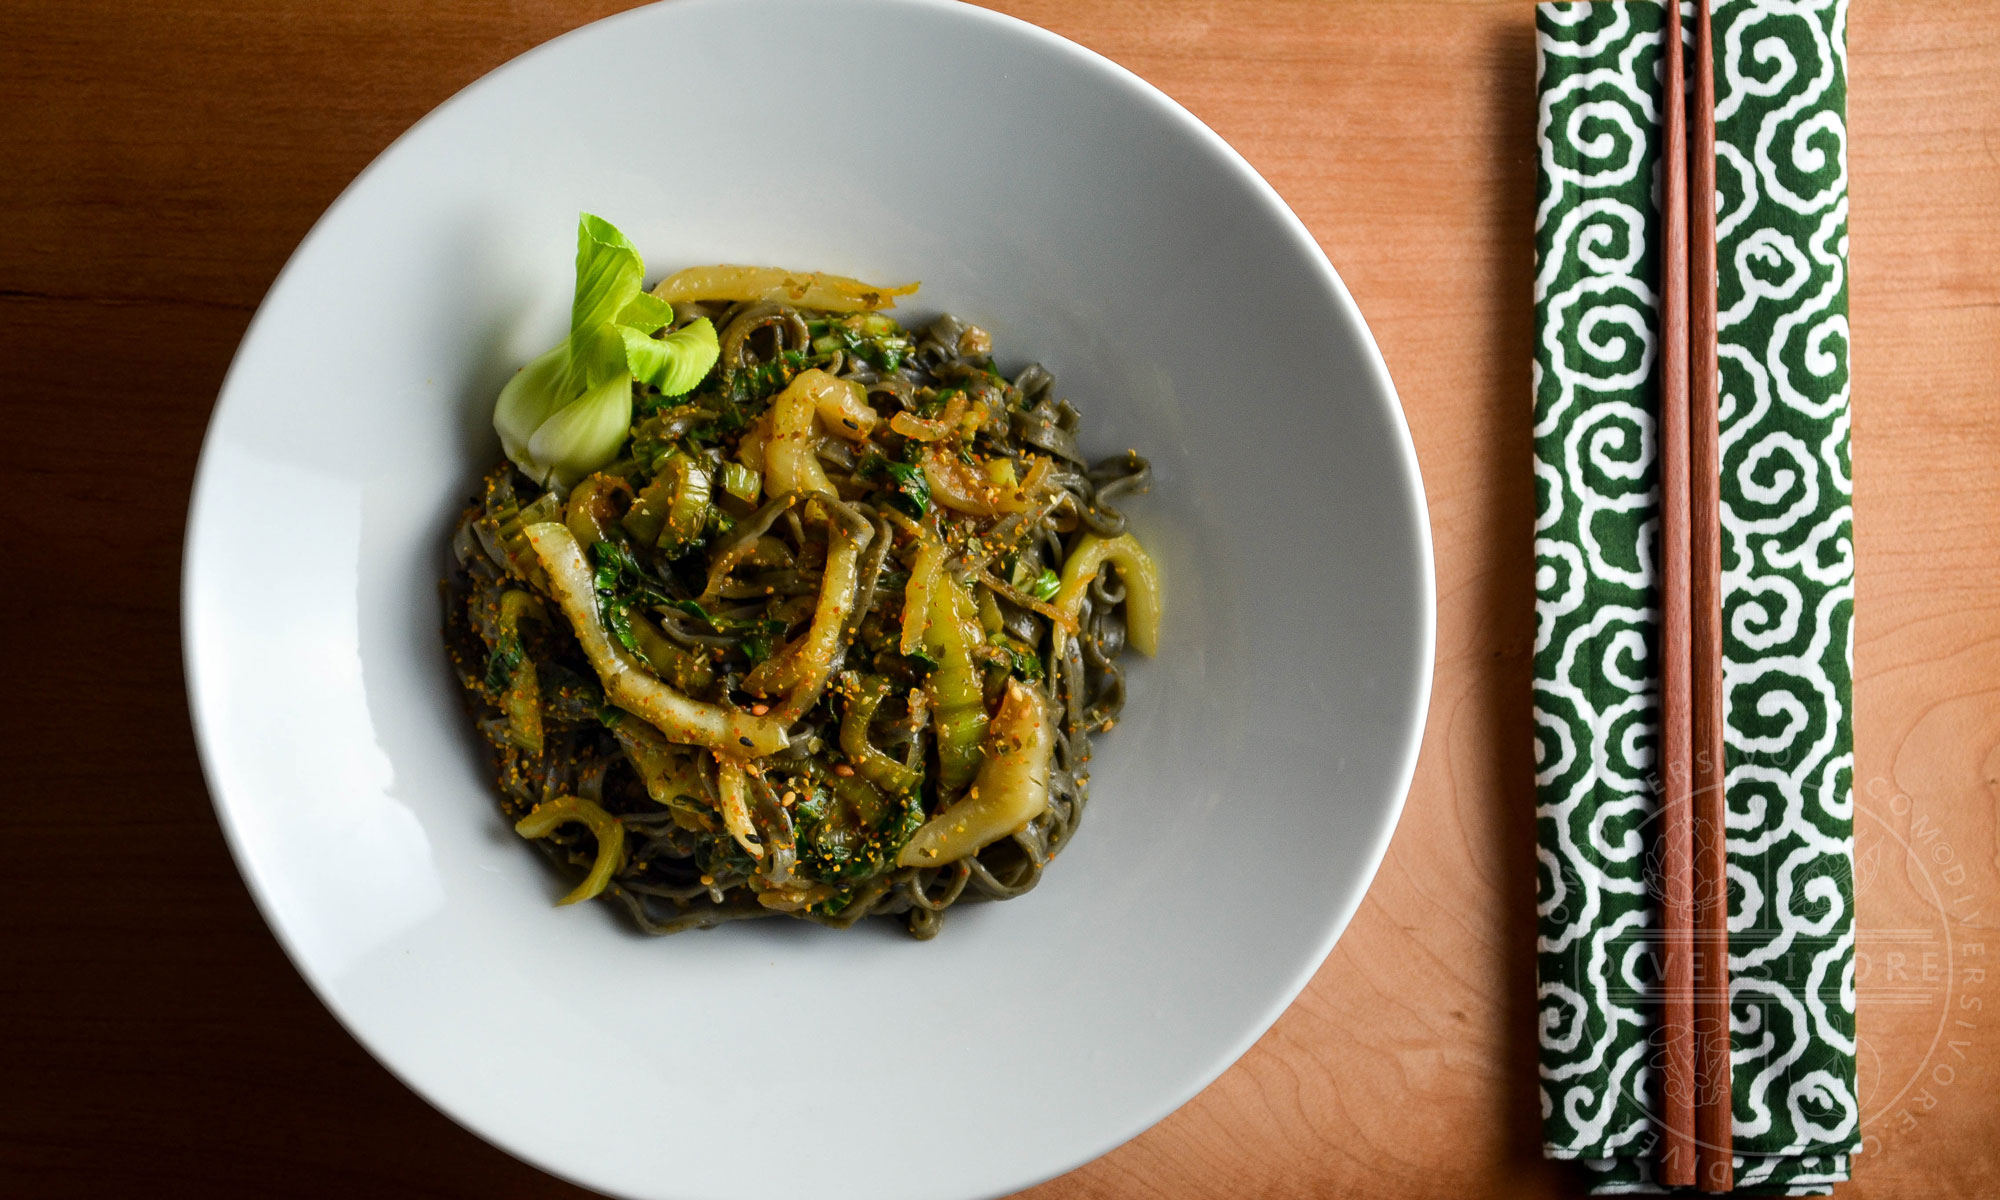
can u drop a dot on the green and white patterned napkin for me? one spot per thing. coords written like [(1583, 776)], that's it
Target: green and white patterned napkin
[(1781, 81)]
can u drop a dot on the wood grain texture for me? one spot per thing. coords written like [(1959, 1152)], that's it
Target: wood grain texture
[(161, 161), (1675, 913), (1713, 1125)]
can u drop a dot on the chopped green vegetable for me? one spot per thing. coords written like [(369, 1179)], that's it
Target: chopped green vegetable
[(834, 905), (501, 663), (865, 695), (688, 672), (1022, 660), (740, 481), (754, 385), (693, 609), (618, 558), (510, 673), (648, 514), (956, 694), (620, 583), (673, 511), (914, 490), (812, 808), (872, 337), (618, 619), (1045, 585), (855, 833), (688, 518), (930, 406)]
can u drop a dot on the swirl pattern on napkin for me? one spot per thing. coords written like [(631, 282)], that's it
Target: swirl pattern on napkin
[(1788, 581)]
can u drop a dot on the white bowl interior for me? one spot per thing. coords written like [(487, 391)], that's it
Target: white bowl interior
[(1237, 812)]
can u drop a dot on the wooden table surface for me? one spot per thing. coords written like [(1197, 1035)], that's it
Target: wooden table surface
[(159, 161)]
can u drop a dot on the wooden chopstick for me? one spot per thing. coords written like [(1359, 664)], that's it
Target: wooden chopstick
[(1676, 849), (1715, 1138)]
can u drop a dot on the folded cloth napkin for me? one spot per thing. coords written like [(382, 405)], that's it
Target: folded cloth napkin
[(1788, 594)]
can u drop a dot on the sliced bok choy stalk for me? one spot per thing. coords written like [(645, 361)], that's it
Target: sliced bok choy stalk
[(1012, 787), (545, 817), (815, 289)]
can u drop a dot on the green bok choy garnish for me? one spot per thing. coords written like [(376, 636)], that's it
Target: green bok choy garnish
[(568, 412)]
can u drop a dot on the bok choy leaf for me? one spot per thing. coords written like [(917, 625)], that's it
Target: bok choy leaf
[(568, 412)]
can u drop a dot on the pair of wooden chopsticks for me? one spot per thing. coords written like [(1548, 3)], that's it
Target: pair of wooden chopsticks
[(1696, 1090)]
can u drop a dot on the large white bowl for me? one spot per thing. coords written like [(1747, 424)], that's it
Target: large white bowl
[(1237, 811)]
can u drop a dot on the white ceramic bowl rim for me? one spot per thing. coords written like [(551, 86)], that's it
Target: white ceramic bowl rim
[(242, 737)]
